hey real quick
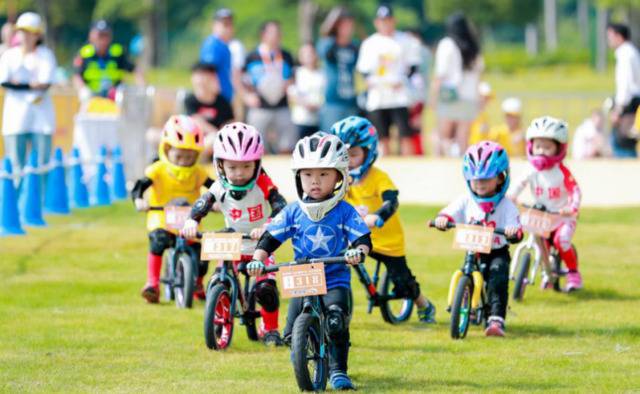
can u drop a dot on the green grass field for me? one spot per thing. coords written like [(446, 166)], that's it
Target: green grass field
[(71, 320)]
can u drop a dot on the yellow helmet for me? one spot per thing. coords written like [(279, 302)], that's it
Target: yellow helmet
[(180, 132)]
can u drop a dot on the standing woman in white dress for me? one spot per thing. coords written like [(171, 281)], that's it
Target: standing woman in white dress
[(454, 89), (26, 73)]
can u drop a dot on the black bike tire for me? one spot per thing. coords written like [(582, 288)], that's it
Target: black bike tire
[(305, 327), (250, 322), (210, 337), (185, 266), (464, 282), (385, 309), (521, 276)]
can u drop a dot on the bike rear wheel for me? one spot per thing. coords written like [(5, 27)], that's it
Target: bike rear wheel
[(218, 318), (461, 308), (308, 354), (393, 311), (522, 276), (184, 281)]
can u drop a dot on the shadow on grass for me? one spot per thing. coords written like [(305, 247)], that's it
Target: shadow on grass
[(603, 295), (558, 331), (402, 383)]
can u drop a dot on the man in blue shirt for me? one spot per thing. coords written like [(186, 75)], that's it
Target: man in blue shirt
[(215, 51)]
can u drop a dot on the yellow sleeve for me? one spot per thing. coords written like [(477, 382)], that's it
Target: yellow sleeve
[(151, 171), (383, 182), (636, 124), (202, 175)]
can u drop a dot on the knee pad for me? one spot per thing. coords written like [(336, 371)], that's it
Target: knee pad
[(337, 324), (160, 240), (561, 243), (267, 295), (407, 287)]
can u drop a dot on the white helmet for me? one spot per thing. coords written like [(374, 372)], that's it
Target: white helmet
[(321, 150), (548, 127)]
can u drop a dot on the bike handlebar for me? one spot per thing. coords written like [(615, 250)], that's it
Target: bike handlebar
[(496, 230)]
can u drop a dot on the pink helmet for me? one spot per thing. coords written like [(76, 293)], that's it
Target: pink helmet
[(238, 142), (551, 128)]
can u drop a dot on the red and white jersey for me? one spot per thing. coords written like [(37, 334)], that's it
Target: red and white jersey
[(465, 210), (554, 188), (252, 211)]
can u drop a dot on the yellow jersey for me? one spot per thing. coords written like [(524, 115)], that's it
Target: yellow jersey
[(366, 197), (513, 142), (479, 129), (166, 187)]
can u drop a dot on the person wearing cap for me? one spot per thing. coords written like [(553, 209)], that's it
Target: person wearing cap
[(387, 59), (338, 52), (100, 65), (26, 72), (480, 127), (510, 134), (216, 51)]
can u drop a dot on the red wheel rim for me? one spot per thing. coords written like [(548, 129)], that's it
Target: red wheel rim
[(223, 321)]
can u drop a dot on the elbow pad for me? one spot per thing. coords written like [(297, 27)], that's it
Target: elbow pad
[(277, 202), (202, 206)]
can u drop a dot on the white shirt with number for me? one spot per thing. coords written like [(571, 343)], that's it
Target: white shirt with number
[(245, 214), (387, 60), (449, 68), (465, 210), (627, 73), (27, 110)]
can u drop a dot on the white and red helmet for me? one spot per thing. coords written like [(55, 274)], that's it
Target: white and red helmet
[(551, 128), (238, 142)]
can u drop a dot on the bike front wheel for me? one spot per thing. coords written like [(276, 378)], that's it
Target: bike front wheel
[(248, 318), (522, 277), (218, 318), (393, 310), (461, 308), (308, 354), (185, 282)]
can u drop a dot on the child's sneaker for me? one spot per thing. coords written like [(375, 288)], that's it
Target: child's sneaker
[(272, 338), (427, 314), (495, 327), (198, 292), (341, 381), (151, 294), (574, 281)]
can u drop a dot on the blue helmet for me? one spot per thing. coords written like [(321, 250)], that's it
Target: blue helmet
[(486, 160), (357, 131)]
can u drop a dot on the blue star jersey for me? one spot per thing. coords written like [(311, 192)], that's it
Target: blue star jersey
[(328, 237)]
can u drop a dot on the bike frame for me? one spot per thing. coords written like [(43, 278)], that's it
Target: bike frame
[(314, 306), (182, 247), (542, 252), (229, 277)]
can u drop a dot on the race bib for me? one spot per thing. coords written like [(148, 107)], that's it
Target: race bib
[(472, 238), (302, 280), (221, 246)]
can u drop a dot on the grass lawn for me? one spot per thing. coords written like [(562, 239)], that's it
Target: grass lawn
[(71, 320)]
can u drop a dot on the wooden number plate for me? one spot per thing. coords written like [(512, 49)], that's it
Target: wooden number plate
[(473, 238), (175, 217), (302, 280), (538, 222), (221, 246)]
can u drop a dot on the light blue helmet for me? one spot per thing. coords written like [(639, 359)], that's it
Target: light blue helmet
[(357, 131), (486, 160)]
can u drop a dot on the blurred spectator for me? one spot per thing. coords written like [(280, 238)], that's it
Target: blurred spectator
[(339, 53), (206, 105), (268, 73), (215, 51), (510, 134), (307, 94), (238, 56), (100, 65), (480, 126), (589, 139), (8, 36), (627, 98), (27, 72), (454, 89), (388, 59)]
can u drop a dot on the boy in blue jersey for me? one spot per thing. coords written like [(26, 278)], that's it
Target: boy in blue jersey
[(320, 224)]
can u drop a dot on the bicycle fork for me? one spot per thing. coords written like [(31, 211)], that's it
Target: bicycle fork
[(369, 285)]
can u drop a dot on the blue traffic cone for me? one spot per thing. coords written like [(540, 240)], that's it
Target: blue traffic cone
[(9, 216), (118, 185), (101, 193), (79, 192), (30, 200), (56, 199)]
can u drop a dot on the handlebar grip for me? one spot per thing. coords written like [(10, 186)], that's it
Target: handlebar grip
[(379, 222), (271, 268), (155, 209), (432, 223)]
